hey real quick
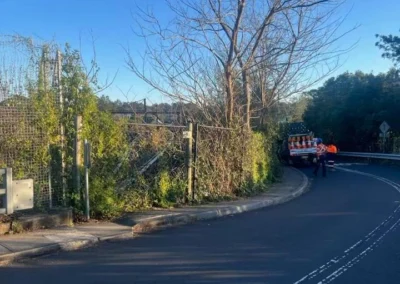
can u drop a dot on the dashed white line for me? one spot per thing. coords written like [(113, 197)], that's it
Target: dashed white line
[(357, 258), (366, 239)]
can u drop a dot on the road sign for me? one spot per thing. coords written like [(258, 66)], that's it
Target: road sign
[(384, 127), (187, 134)]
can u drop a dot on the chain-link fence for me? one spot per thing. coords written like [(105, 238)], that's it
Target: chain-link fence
[(163, 171), (21, 147), (38, 89), (24, 144), (140, 158), (156, 161)]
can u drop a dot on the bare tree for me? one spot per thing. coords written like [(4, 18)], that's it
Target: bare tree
[(17, 65), (296, 57), (236, 55)]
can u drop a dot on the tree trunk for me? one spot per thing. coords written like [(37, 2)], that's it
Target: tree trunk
[(247, 95), (229, 96)]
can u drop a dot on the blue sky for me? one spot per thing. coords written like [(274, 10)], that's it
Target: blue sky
[(110, 22)]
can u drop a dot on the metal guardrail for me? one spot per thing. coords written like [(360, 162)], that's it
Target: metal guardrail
[(395, 157)]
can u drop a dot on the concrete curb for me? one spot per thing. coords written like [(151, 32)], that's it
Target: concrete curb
[(182, 219), (156, 224), (66, 246)]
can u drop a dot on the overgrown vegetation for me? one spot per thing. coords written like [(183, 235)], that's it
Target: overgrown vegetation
[(224, 64), (235, 162)]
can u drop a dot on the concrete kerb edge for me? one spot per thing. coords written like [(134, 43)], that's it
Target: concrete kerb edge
[(48, 249), (156, 224), (15, 256), (181, 219)]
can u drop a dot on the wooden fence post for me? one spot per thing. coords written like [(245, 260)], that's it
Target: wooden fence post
[(77, 153)]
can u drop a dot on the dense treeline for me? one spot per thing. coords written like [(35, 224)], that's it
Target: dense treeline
[(105, 103), (350, 107)]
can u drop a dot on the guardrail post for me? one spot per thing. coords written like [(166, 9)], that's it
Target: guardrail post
[(9, 191)]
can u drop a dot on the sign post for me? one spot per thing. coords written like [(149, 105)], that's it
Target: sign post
[(384, 127)]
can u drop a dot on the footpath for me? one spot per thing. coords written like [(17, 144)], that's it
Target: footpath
[(27, 245)]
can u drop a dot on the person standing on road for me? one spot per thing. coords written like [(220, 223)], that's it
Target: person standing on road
[(331, 155), (321, 157)]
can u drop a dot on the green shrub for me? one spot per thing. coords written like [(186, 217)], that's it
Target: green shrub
[(134, 199), (169, 190), (104, 201)]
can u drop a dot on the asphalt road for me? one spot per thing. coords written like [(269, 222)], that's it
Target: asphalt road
[(345, 230)]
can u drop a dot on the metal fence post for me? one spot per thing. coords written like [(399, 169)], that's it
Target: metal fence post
[(189, 161), (196, 135), (49, 177), (9, 191), (87, 166)]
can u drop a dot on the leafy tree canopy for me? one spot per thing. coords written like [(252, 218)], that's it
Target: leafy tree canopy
[(390, 44), (350, 108)]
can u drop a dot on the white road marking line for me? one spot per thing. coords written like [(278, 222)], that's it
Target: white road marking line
[(389, 182), (351, 164), (357, 258), (366, 239)]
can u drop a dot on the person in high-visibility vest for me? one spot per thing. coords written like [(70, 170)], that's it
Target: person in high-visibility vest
[(321, 157), (331, 155)]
